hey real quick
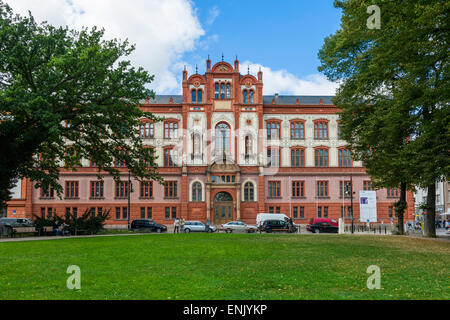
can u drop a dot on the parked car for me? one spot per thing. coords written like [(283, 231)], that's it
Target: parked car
[(196, 226), (16, 222), (7, 224), (237, 226), (323, 225), (148, 225), (270, 226), (261, 217)]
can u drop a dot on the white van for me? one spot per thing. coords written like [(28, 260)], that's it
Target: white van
[(261, 217)]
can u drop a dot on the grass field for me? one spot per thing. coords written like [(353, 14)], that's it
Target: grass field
[(221, 266)]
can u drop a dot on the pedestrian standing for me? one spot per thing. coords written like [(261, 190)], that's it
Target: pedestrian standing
[(177, 226)]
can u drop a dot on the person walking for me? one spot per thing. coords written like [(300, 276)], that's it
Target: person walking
[(176, 226)]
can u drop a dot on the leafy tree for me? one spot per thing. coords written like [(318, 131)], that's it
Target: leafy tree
[(394, 91), (67, 95)]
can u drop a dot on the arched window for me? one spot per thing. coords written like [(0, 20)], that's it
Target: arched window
[(297, 130), (228, 91), (245, 94), (216, 90), (222, 91), (197, 191), (249, 192), (252, 96), (194, 96), (223, 133), (200, 96)]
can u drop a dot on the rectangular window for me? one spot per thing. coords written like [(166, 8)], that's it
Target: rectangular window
[(170, 157), (174, 213), (345, 189), (48, 194), (170, 189), (122, 189), (149, 213), (321, 158), (271, 210), (367, 185), (146, 190), (99, 211), (142, 213), (298, 189), (325, 212), (273, 157), (302, 212), (49, 213), (274, 189), (167, 216), (321, 130), (170, 130), (124, 213), (297, 130), (71, 189), (295, 212), (319, 212), (118, 213), (322, 189), (96, 189), (273, 131), (92, 212), (297, 158), (391, 212), (75, 212), (392, 193)]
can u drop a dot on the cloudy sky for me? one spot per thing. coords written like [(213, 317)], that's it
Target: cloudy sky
[(281, 37)]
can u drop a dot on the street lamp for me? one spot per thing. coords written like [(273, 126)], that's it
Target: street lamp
[(130, 190), (351, 198)]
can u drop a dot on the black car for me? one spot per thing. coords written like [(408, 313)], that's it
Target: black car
[(318, 225), (270, 226), (147, 225)]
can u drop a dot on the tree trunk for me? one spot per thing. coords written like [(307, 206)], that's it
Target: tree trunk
[(429, 226), (401, 207)]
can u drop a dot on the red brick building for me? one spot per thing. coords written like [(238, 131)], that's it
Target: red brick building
[(227, 152)]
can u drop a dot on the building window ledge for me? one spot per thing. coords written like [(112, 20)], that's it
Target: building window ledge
[(298, 198), (121, 198), (323, 198), (97, 198), (71, 198), (171, 198), (146, 198), (45, 198)]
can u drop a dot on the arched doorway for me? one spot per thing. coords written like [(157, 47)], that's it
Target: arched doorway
[(223, 208)]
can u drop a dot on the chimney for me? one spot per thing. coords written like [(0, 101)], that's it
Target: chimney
[(260, 75), (321, 101)]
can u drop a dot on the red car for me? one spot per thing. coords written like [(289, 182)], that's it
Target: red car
[(323, 225)]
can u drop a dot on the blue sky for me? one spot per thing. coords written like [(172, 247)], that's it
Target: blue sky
[(283, 34), (280, 37)]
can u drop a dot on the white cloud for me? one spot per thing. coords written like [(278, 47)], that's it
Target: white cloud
[(283, 82), (162, 30), (212, 15)]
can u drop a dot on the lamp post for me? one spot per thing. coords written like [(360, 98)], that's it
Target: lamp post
[(351, 199), (130, 190)]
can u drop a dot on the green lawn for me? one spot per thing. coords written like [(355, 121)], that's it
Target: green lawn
[(221, 266)]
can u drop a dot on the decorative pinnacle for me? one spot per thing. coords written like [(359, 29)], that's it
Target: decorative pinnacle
[(222, 56)]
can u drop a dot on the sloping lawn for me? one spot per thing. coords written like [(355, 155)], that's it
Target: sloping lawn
[(222, 266)]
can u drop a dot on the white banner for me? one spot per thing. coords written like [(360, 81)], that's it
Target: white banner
[(368, 206)]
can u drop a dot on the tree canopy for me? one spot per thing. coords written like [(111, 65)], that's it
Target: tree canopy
[(394, 91), (67, 95)]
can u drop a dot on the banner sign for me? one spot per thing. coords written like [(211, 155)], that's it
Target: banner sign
[(368, 206)]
